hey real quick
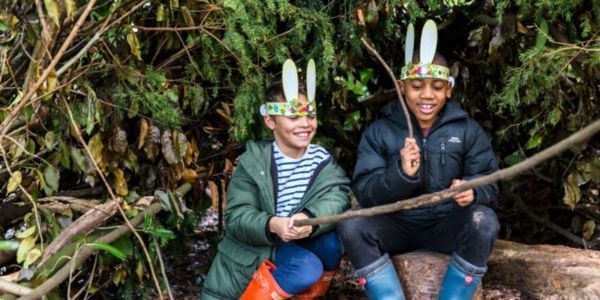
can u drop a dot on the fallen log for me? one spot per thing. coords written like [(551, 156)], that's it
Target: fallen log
[(536, 271)]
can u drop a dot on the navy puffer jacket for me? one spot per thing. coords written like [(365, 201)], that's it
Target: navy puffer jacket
[(456, 148)]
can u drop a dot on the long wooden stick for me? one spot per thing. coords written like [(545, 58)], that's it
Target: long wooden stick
[(577, 138), (396, 86)]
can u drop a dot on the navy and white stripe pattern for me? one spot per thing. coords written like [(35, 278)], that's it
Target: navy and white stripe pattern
[(293, 176)]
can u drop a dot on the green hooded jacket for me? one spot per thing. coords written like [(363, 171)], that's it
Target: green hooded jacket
[(250, 205)]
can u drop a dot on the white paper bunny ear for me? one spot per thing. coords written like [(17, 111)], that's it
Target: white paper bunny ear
[(311, 80), (289, 77), (428, 42), (409, 45)]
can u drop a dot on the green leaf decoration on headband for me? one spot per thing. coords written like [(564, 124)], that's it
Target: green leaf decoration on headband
[(311, 80), (292, 108), (428, 42), (409, 44), (289, 77)]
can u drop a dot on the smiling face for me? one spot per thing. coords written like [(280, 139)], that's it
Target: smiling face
[(292, 134), (425, 98)]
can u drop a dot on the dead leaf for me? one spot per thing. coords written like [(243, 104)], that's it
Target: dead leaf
[(214, 194), (588, 229), (31, 257), (167, 147), (120, 183), (228, 166), (151, 143), (189, 175), (71, 8), (96, 146), (134, 44), (143, 133), (118, 141), (24, 247), (14, 181), (53, 12)]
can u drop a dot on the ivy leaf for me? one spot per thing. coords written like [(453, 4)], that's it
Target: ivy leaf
[(49, 140), (108, 248), (14, 181), (52, 178), (53, 13), (534, 141), (79, 158), (164, 200)]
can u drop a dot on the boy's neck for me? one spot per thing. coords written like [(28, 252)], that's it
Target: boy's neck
[(291, 152)]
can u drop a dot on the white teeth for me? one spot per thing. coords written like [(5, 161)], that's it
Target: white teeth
[(302, 134), (426, 106)]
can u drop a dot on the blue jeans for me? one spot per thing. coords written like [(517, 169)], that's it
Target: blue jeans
[(301, 263)]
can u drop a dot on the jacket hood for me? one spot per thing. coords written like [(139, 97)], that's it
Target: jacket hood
[(393, 111)]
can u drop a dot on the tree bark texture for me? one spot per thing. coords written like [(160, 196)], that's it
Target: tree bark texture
[(537, 271), (421, 274)]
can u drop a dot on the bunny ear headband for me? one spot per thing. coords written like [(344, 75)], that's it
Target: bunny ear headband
[(425, 68), (293, 107)]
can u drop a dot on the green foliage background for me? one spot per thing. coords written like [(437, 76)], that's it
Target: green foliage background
[(169, 93)]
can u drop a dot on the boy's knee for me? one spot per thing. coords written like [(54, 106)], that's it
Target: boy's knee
[(350, 228), (331, 251), (485, 222)]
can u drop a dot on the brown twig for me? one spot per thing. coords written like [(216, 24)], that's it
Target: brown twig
[(79, 137), (396, 86), (574, 139), (5, 125)]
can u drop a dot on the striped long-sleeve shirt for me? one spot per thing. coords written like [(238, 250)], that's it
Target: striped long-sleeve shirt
[(293, 176)]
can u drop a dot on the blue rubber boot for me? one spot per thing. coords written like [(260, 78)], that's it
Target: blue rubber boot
[(458, 285), (381, 280)]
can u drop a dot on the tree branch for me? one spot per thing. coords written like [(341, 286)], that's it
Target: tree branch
[(79, 258), (579, 137)]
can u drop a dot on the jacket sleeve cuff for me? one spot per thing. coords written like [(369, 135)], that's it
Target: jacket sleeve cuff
[(396, 174), (270, 236)]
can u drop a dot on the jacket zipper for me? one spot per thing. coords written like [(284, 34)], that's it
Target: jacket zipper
[(425, 168), (443, 150)]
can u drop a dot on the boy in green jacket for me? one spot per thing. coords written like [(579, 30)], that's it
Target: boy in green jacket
[(263, 255)]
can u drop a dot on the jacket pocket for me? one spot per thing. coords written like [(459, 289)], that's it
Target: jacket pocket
[(231, 270), (237, 252)]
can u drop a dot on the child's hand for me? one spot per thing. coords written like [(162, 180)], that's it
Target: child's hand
[(279, 226), (302, 231), (410, 156), (285, 229), (463, 198)]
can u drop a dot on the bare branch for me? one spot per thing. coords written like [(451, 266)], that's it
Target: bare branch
[(577, 138)]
